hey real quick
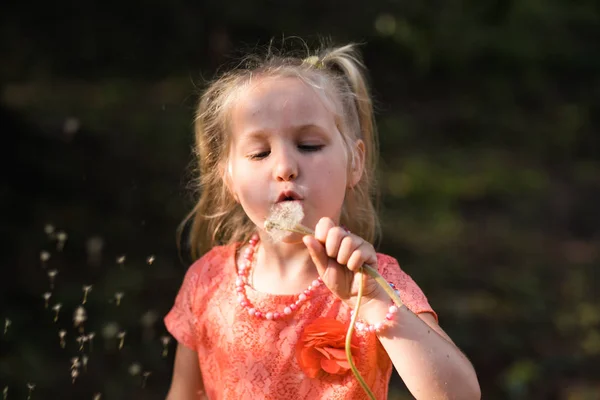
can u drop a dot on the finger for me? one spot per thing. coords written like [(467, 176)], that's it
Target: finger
[(333, 241), (364, 254), (349, 244), (317, 253), (322, 228)]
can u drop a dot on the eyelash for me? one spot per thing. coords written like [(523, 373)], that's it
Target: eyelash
[(302, 147)]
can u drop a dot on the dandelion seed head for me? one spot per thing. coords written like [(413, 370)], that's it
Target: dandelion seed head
[(52, 273), (121, 259), (150, 259), (57, 307), (47, 295), (62, 333), (165, 340), (49, 229), (62, 236), (284, 216)]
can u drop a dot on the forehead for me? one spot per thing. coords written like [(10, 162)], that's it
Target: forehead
[(279, 104)]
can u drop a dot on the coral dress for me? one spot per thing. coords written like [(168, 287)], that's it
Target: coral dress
[(243, 357)]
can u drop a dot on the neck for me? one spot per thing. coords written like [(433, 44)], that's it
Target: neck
[(288, 259)]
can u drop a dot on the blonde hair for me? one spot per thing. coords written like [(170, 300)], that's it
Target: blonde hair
[(335, 73)]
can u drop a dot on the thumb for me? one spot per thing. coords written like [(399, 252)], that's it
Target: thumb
[(317, 253)]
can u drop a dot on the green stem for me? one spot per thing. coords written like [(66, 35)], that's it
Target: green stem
[(359, 378)]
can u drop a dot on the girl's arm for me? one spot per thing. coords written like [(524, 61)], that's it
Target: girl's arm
[(430, 365), (187, 378)]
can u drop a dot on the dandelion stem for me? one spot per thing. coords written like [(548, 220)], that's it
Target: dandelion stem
[(275, 224)]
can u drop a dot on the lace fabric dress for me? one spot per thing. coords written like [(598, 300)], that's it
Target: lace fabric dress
[(242, 357)]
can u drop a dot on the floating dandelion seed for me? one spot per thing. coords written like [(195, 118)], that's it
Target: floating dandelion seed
[(56, 309), (49, 229), (62, 239), (75, 363), (74, 375), (118, 297), (150, 259), (121, 260), (97, 396), (86, 289), (30, 387), (79, 316), (61, 335), (146, 374), (46, 296), (52, 274), (165, 342), (134, 369), (149, 318), (121, 337), (110, 330), (44, 257), (5, 393), (7, 323), (71, 126), (84, 361), (81, 340), (90, 337)]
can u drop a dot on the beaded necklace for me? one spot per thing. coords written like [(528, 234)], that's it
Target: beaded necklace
[(242, 280)]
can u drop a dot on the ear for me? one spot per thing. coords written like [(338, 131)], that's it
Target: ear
[(357, 163)]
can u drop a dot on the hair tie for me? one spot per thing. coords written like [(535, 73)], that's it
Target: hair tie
[(315, 61)]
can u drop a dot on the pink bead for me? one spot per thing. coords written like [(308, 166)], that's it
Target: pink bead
[(239, 289), (309, 288), (307, 292), (393, 309), (389, 316), (258, 314), (251, 311), (276, 315), (287, 311), (269, 315), (302, 297), (378, 326), (316, 283), (244, 304), (239, 281), (293, 306), (241, 297)]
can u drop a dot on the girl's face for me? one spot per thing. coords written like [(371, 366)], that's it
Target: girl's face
[(286, 147)]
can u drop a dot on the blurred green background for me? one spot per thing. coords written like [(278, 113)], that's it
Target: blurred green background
[(490, 176)]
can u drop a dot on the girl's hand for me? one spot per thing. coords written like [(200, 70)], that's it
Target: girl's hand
[(338, 255)]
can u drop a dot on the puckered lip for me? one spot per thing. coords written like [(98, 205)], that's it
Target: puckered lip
[(288, 195)]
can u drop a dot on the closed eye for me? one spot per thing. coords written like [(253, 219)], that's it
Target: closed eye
[(259, 155), (310, 147)]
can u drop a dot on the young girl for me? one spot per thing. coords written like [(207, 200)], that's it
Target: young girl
[(258, 318)]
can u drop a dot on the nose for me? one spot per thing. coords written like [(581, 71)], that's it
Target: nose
[(286, 166)]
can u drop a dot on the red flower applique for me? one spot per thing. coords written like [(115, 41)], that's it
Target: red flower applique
[(322, 348)]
